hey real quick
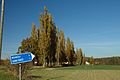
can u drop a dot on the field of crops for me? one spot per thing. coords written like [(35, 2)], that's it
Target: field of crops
[(72, 73), (78, 73)]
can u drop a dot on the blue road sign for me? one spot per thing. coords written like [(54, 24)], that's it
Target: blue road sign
[(21, 58)]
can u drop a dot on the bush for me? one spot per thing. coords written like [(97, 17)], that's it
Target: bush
[(14, 68), (25, 67)]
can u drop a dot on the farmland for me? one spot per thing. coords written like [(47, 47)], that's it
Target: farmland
[(101, 72)]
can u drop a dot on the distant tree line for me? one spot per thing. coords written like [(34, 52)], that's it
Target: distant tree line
[(107, 61), (49, 45)]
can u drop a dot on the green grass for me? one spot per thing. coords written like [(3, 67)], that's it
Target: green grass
[(4, 75), (93, 67), (95, 72)]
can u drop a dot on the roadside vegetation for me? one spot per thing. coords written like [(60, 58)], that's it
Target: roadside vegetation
[(5, 75)]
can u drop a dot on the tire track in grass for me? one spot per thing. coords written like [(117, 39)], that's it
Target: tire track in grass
[(98, 75), (72, 75), (86, 74), (82, 75), (56, 75), (94, 76), (79, 75), (118, 75), (104, 75), (68, 75), (113, 74), (109, 74), (76, 75), (91, 75)]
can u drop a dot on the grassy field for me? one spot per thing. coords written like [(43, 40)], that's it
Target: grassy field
[(101, 72), (4, 75)]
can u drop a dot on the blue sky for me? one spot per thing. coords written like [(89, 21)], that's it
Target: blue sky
[(93, 25)]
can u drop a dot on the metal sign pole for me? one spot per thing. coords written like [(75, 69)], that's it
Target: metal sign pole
[(19, 71), (20, 67), (1, 26)]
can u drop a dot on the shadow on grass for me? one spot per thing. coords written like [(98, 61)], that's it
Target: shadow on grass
[(33, 77), (38, 77), (55, 77)]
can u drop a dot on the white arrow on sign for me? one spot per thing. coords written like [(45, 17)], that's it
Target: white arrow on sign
[(32, 56)]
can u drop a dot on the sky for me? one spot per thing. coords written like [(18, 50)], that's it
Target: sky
[(93, 25)]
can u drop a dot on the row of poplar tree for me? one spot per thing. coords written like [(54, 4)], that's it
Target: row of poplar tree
[(49, 45)]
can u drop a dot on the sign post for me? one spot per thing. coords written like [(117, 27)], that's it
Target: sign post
[(21, 58), (19, 71), (19, 65)]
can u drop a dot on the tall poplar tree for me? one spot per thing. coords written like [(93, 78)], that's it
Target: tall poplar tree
[(70, 51), (57, 55), (34, 42), (62, 47), (47, 39), (79, 56)]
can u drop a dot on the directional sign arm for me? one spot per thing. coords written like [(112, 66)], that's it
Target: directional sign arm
[(21, 58)]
